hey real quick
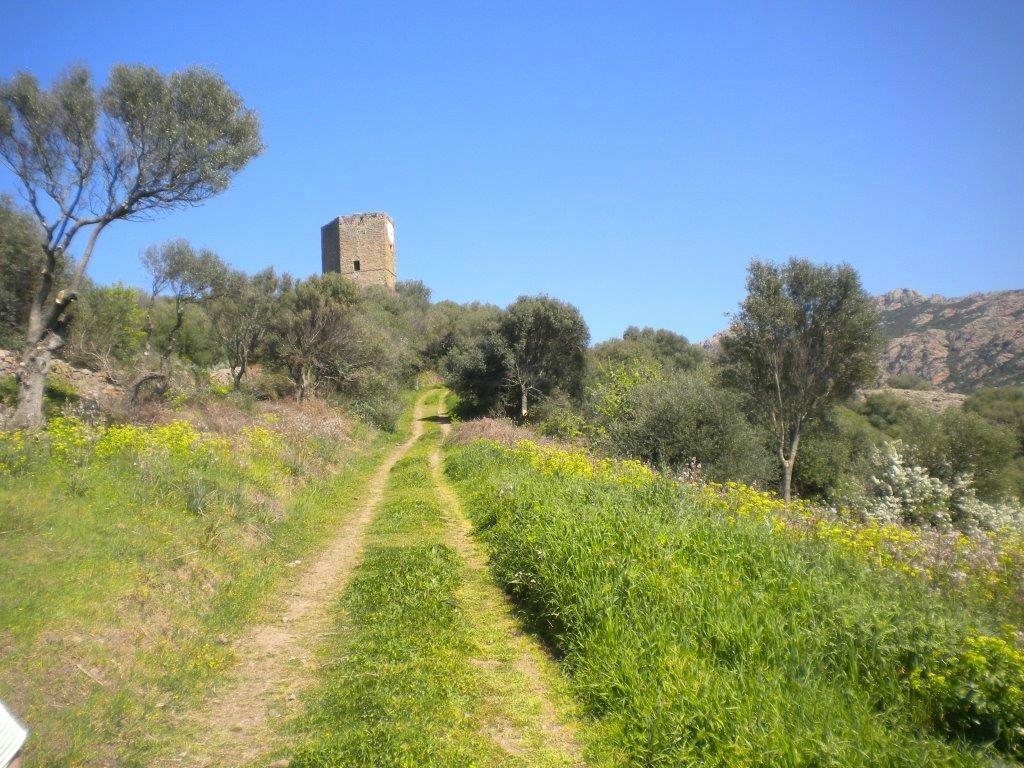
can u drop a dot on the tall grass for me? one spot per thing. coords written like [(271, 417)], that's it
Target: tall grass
[(697, 637), (130, 556)]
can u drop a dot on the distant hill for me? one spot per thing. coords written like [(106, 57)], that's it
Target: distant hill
[(957, 344)]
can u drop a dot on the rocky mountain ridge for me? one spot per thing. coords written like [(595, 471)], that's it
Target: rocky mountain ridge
[(956, 344)]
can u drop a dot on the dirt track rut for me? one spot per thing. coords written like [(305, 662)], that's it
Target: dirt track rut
[(236, 726)]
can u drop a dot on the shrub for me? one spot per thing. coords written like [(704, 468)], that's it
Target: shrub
[(376, 400), (979, 447), (976, 691), (107, 327), (909, 381), (557, 418), (950, 444), (21, 263), (270, 386), (889, 413), (1001, 405), (834, 455), (900, 491), (671, 423), (904, 493), (382, 410), (609, 396)]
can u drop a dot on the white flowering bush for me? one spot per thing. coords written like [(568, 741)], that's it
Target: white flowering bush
[(900, 491), (972, 514)]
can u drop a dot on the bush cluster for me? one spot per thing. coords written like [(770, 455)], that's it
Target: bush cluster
[(901, 492)]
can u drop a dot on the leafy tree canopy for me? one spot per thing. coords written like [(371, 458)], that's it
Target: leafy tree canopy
[(546, 340), (666, 348), (805, 338)]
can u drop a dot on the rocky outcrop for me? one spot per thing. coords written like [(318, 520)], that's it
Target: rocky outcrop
[(89, 384), (957, 344), (931, 400)]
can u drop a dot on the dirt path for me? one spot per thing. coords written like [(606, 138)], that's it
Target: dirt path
[(235, 727), (514, 665)]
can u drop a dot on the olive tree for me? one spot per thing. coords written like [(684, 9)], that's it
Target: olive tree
[(187, 277), (683, 420), (805, 338), (463, 340), (314, 328), (546, 342), (656, 346), (241, 317), (143, 144)]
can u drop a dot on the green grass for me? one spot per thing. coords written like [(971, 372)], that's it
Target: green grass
[(407, 684), (123, 579), (696, 640), (400, 694)]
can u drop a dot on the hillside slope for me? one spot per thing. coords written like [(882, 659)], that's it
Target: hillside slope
[(958, 344)]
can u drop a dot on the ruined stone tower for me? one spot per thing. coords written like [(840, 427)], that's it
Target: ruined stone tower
[(361, 247)]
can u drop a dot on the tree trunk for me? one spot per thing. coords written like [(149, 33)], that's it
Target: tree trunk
[(147, 349), (788, 461), (237, 374), (524, 406), (301, 384), (45, 336), (787, 480), (172, 338), (47, 330), (35, 366)]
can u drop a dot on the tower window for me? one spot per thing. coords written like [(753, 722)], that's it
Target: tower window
[(355, 265)]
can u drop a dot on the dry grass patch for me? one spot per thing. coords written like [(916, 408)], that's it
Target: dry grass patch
[(503, 431)]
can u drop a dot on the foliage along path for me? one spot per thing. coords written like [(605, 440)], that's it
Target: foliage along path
[(395, 645)]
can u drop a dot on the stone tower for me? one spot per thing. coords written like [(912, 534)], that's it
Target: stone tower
[(361, 247)]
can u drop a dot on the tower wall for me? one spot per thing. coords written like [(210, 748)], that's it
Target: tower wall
[(361, 247)]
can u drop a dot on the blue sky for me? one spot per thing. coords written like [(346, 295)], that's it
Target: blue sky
[(628, 157)]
